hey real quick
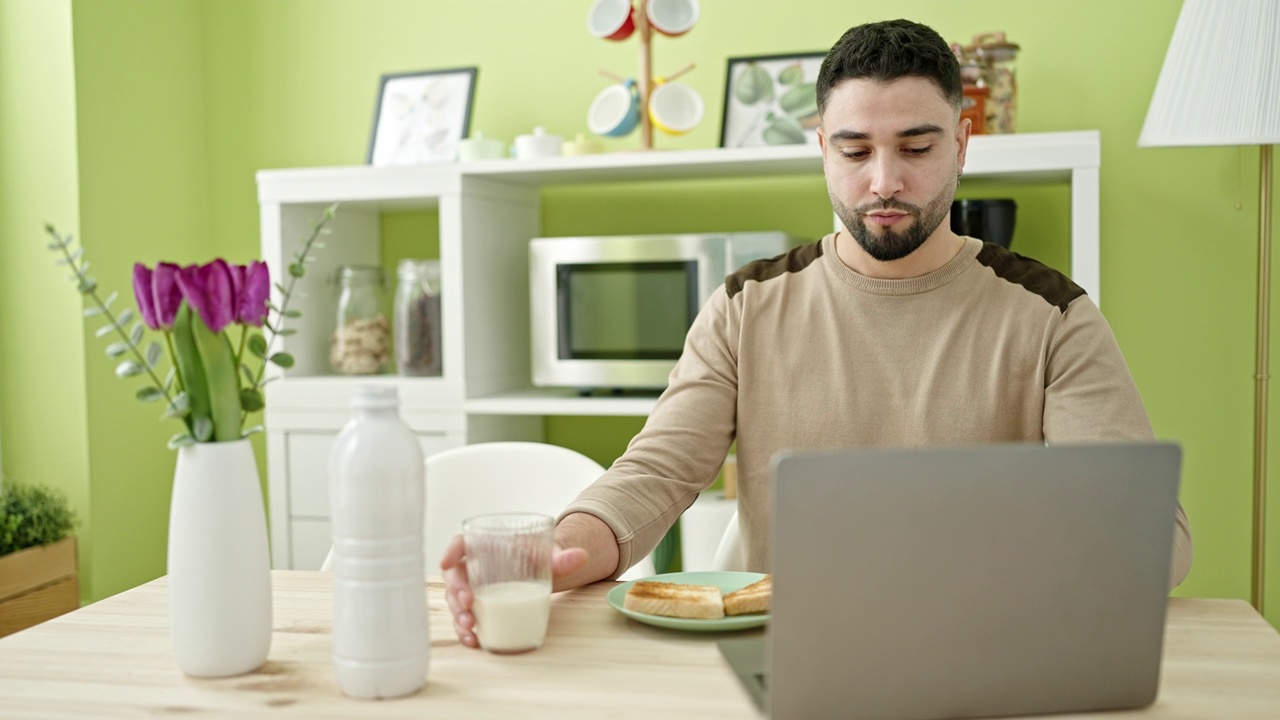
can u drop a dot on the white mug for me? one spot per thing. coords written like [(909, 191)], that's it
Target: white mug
[(672, 17)]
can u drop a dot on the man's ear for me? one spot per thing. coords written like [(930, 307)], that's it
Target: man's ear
[(963, 129), (822, 146)]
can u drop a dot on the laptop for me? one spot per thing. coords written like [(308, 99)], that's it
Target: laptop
[(962, 582)]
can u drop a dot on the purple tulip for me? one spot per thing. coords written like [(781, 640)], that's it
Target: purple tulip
[(142, 294), (208, 288), (251, 296), (166, 294), (157, 294)]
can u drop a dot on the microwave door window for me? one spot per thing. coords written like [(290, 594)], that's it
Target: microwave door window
[(625, 311)]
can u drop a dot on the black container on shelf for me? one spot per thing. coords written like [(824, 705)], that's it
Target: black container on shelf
[(989, 220)]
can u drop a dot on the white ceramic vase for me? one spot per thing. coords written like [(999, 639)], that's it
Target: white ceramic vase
[(219, 566)]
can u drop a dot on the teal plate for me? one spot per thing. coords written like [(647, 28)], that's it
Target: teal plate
[(726, 581)]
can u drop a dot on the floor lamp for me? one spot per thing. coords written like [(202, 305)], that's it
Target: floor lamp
[(1220, 85)]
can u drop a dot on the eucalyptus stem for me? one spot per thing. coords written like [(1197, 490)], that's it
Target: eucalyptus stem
[(296, 269), (89, 288)]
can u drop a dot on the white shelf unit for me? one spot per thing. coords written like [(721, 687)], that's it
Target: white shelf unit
[(488, 210)]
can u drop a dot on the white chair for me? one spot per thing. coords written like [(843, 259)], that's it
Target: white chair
[(501, 477), (730, 556)]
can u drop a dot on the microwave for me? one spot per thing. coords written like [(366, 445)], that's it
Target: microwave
[(612, 312)]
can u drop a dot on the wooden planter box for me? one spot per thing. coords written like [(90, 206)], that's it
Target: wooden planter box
[(37, 584)]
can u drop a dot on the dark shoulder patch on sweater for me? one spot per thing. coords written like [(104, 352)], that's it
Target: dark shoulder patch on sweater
[(793, 260), (1052, 286)]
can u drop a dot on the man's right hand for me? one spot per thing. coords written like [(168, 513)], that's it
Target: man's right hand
[(585, 551), (564, 564)]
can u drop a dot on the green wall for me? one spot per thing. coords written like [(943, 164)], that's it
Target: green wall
[(178, 104), (43, 429)]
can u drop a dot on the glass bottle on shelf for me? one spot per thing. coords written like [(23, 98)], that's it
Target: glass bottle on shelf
[(417, 317), (361, 343)]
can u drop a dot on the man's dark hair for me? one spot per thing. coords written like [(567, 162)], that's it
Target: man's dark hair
[(889, 50)]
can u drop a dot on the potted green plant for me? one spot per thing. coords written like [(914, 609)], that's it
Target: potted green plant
[(38, 570)]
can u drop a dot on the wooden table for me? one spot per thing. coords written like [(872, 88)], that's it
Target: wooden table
[(112, 660)]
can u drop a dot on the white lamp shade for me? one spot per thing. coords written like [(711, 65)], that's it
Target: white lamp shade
[(1220, 83)]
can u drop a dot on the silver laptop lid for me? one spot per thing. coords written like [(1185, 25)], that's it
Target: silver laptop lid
[(928, 583)]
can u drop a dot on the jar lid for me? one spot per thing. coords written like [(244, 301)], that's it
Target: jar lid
[(992, 45), (418, 266), (361, 272)]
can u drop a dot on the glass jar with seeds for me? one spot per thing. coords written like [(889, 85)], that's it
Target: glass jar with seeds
[(361, 342)]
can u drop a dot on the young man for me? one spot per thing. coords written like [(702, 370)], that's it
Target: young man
[(893, 331)]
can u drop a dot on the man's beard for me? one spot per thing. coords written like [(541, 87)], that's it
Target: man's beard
[(889, 245)]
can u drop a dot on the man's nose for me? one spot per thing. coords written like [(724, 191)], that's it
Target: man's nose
[(886, 177)]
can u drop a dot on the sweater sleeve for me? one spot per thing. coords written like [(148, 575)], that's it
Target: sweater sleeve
[(1090, 396), (679, 452)]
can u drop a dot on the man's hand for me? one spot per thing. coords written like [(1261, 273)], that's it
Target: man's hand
[(564, 564), (585, 551)]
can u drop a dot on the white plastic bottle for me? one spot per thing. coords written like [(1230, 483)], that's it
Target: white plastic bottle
[(376, 484)]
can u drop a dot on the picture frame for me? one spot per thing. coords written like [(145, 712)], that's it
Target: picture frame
[(771, 100), (420, 117)]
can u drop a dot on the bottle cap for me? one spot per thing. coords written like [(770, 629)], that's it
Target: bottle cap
[(375, 396)]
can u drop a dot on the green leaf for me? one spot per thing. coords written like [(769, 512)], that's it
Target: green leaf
[(293, 313), (791, 75), (135, 335), (281, 289), (187, 358), (203, 428), (297, 270), (251, 400), (128, 368), (258, 345), (153, 353), (783, 131), (104, 331), (178, 407), (754, 85), (247, 372), (116, 349), (181, 440), (110, 299), (286, 332), (254, 429), (92, 311), (87, 285), (168, 379), (149, 393), (222, 378), (282, 359), (126, 316), (800, 101)]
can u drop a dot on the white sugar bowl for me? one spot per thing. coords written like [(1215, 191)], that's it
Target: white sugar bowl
[(538, 145)]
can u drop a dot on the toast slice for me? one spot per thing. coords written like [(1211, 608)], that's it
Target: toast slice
[(753, 598), (699, 602)]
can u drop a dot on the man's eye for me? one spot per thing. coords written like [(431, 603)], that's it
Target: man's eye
[(854, 154), (918, 150)]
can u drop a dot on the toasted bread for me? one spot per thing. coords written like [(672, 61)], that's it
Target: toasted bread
[(753, 598), (701, 602)]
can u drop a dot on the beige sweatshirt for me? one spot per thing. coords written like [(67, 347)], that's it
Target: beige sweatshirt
[(800, 351)]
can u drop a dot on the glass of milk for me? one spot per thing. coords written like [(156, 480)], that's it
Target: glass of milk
[(509, 565)]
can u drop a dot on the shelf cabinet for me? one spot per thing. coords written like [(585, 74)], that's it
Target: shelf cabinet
[(488, 211)]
